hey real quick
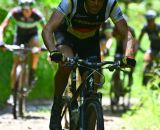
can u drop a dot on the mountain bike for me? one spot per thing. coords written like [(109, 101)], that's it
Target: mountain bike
[(22, 86), (84, 107), (120, 90), (153, 74), (151, 67)]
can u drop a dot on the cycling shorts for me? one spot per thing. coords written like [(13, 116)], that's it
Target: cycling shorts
[(25, 39), (84, 48)]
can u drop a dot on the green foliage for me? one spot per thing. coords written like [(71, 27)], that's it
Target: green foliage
[(146, 114), (45, 71)]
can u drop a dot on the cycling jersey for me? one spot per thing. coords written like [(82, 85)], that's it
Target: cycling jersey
[(26, 26), (154, 36), (83, 25)]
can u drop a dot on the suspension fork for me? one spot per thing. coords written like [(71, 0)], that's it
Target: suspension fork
[(89, 89)]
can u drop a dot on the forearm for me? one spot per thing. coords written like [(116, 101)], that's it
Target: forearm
[(4, 24), (1, 34), (48, 31), (48, 39), (130, 45), (3, 27)]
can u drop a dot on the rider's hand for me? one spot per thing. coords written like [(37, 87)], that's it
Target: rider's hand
[(128, 62), (56, 56)]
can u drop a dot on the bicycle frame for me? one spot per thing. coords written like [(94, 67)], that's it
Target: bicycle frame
[(89, 98), (22, 87), (120, 88), (22, 72), (85, 90)]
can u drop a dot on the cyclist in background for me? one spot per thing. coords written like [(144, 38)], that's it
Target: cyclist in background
[(27, 19), (120, 47), (112, 32), (105, 38), (153, 31), (76, 25)]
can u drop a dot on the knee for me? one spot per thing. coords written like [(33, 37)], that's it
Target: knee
[(64, 71)]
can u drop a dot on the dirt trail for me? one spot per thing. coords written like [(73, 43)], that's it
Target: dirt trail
[(38, 118)]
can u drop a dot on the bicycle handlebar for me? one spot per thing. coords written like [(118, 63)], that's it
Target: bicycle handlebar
[(16, 48), (70, 62)]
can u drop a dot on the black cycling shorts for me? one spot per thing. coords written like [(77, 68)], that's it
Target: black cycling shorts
[(84, 48), (25, 39)]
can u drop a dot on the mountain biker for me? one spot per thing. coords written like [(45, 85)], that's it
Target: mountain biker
[(112, 32), (153, 31), (75, 24), (26, 18), (120, 47), (105, 38)]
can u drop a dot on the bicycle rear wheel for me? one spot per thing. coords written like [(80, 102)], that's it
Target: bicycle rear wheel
[(18, 99), (93, 115), (21, 104)]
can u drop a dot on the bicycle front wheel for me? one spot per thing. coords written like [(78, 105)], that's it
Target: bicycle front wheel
[(93, 115), (66, 114)]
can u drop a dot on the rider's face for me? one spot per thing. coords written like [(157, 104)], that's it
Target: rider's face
[(151, 23), (27, 12), (94, 6)]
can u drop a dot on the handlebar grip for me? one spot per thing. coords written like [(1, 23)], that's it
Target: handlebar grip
[(128, 62), (114, 66)]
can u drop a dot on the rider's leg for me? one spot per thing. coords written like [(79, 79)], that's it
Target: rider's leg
[(13, 78), (13, 72), (148, 64), (34, 58), (60, 82)]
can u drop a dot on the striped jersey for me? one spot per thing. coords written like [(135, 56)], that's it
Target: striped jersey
[(26, 25), (84, 25)]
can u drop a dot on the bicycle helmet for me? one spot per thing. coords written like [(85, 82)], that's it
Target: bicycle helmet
[(26, 3), (151, 14)]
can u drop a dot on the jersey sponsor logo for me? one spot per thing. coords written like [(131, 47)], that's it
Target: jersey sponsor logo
[(81, 34), (26, 25), (87, 22)]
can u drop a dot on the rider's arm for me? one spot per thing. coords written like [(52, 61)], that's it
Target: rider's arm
[(3, 27), (117, 17), (126, 37), (54, 22), (5, 23), (47, 33)]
